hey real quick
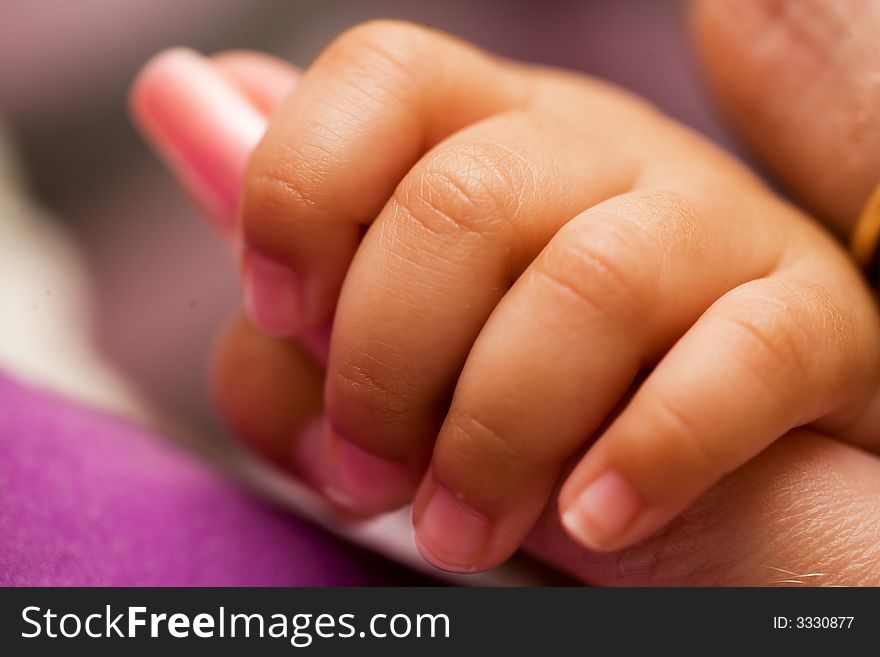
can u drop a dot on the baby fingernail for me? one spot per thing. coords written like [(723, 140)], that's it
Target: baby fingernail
[(272, 295), (307, 457), (362, 482), (450, 534), (200, 124), (317, 341), (603, 510)]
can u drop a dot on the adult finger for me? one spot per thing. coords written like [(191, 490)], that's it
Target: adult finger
[(203, 123), (805, 512), (797, 79)]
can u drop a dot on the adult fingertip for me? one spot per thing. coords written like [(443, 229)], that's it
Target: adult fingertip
[(200, 124)]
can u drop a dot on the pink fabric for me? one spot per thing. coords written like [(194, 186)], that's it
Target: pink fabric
[(86, 499)]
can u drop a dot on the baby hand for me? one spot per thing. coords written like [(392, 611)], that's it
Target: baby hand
[(548, 260)]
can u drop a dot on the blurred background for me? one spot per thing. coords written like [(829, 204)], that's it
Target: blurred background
[(161, 281)]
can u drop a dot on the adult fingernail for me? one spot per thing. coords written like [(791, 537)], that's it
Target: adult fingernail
[(272, 295), (603, 511), (362, 482), (450, 534), (201, 125)]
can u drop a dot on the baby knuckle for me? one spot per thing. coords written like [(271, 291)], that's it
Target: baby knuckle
[(785, 330), (673, 217), (596, 270), (666, 219), (472, 441), (689, 441), (771, 347), (468, 189), (366, 388), (389, 45), (819, 312), (279, 187)]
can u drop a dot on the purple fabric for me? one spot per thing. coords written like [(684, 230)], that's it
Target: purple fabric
[(86, 499)]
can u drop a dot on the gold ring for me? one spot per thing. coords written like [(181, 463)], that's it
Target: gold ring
[(866, 236)]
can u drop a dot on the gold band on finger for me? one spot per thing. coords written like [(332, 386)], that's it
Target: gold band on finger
[(865, 243)]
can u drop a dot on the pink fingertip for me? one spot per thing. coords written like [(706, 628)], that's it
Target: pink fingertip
[(362, 482), (272, 295), (307, 456), (450, 534), (201, 125), (603, 511)]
